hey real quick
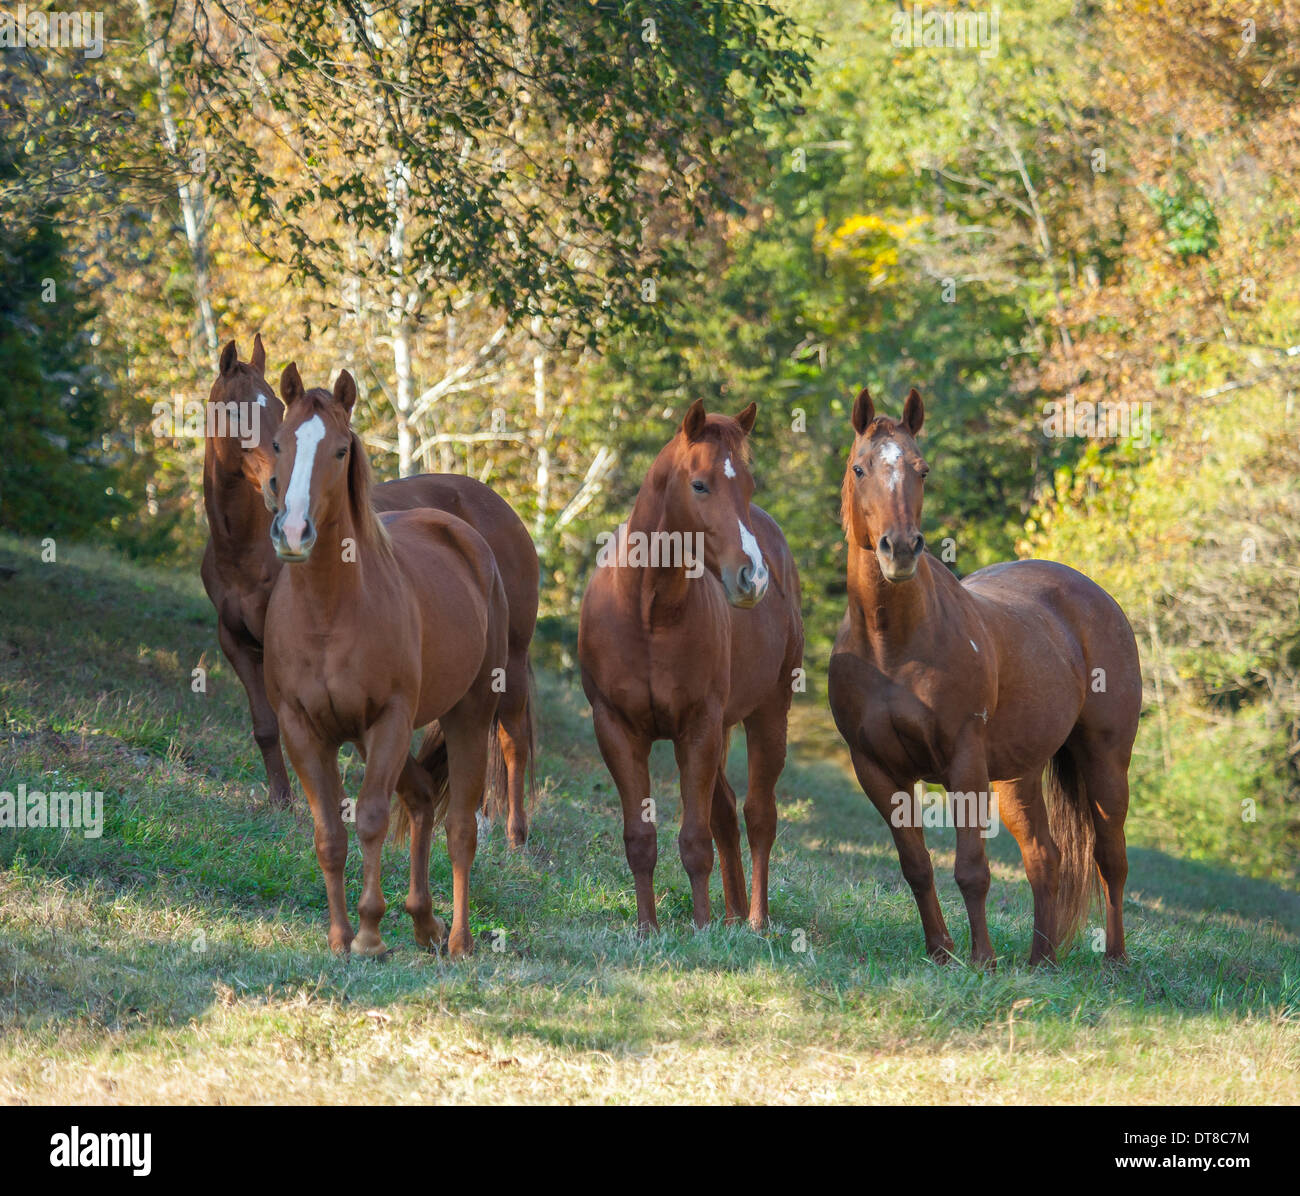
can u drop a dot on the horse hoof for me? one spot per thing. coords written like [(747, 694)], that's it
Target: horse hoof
[(435, 938), (458, 946), (368, 944), (281, 799)]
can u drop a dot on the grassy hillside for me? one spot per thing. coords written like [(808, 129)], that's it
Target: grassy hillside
[(181, 956)]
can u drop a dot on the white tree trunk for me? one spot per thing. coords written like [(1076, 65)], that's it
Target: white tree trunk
[(190, 192)]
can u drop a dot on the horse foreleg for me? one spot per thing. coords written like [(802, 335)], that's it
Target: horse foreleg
[(699, 756), (1021, 807), (317, 766), (913, 858), (387, 749), (626, 755), (246, 659)]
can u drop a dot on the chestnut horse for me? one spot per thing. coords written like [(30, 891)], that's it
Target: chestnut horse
[(1018, 668), (376, 628), (684, 649), (240, 566)]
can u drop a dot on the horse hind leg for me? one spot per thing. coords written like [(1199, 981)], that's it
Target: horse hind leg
[(422, 789), (765, 745), (1022, 809), (726, 834), (1105, 776), (468, 728), (515, 737)]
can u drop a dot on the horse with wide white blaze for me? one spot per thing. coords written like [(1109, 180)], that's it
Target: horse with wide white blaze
[(240, 567), (379, 625)]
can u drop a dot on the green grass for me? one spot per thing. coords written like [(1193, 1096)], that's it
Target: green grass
[(181, 956)]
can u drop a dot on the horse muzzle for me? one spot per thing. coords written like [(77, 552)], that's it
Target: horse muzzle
[(746, 587), (899, 556), (293, 540)]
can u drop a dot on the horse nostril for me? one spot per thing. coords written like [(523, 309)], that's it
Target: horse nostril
[(918, 543), (885, 546), (745, 578)]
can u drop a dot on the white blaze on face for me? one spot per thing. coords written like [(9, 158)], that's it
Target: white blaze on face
[(309, 436), (750, 547), (728, 469), (892, 456)]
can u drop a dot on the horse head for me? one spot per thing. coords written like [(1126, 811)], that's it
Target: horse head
[(320, 470), (242, 416), (884, 486), (707, 491)]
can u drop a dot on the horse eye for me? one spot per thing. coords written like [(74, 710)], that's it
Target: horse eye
[(343, 452), (275, 444), (857, 469), (699, 487)]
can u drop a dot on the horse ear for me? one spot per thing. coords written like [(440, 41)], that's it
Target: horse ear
[(259, 355), (913, 412), (746, 418), (693, 424), (229, 359), (290, 384), (864, 411), (345, 391)]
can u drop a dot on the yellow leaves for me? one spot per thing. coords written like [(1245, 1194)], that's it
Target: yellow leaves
[(869, 244)]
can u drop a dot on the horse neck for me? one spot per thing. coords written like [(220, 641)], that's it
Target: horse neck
[(238, 519), (890, 614), (659, 588), (328, 587)]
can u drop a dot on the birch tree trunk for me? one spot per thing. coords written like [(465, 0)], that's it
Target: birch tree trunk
[(189, 191)]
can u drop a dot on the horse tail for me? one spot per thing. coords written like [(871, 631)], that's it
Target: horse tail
[(496, 790), (530, 791), (431, 776), (1070, 822)]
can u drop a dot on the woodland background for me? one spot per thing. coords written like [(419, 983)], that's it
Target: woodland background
[(535, 233)]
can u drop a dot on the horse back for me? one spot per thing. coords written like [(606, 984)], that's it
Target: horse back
[(494, 519)]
